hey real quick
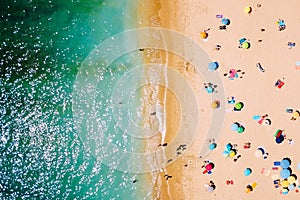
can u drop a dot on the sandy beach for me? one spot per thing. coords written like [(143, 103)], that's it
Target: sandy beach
[(254, 88)]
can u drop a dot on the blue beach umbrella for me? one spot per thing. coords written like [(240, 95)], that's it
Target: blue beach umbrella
[(213, 66), (228, 147), (225, 21), (235, 126), (226, 153), (209, 89), (285, 173), (281, 23), (285, 191), (285, 163), (247, 171), (279, 139), (212, 146)]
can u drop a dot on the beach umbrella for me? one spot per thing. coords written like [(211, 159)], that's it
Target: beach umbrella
[(285, 173), (209, 89), (234, 126), (209, 166), (238, 106), (278, 133), (232, 153), (228, 146), (291, 187), (226, 153), (267, 122), (295, 176), (285, 163), (247, 9), (203, 35), (232, 73), (212, 146), (215, 104), (231, 101), (296, 114), (259, 152), (298, 166), (213, 65), (281, 23), (245, 45), (249, 188), (241, 129), (285, 183), (292, 179), (279, 139), (285, 191), (225, 21), (210, 188), (247, 171)]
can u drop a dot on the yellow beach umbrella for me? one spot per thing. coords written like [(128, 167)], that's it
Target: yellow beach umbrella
[(215, 104), (245, 45), (291, 179), (285, 183), (232, 153), (203, 35), (296, 114), (247, 9), (247, 190), (254, 185)]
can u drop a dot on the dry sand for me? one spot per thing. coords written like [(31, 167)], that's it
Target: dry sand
[(255, 89)]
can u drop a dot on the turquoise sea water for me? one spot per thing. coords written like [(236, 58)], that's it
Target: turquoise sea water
[(42, 45)]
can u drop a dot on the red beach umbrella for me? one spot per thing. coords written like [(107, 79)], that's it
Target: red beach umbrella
[(209, 166)]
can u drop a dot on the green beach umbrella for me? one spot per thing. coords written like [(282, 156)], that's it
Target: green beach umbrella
[(240, 129), (238, 106), (245, 45)]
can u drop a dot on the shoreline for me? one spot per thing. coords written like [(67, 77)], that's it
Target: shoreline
[(170, 15), (150, 13)]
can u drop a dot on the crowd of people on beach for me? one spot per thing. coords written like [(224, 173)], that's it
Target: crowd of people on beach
[(286, 179)]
